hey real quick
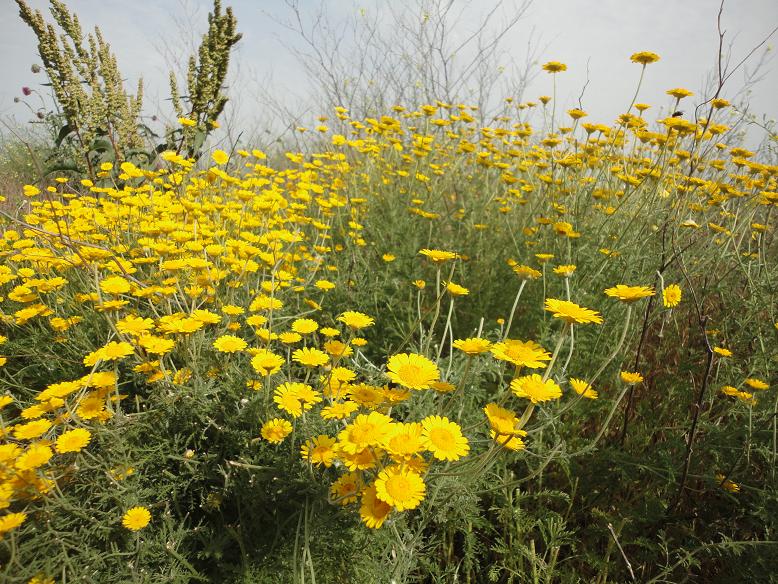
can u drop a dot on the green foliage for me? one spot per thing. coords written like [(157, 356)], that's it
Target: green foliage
[(669, 480), (100, 116), (96, 120), (206, 75)]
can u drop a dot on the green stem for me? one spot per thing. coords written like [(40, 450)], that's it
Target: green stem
[(617, 349), (513, 310), (445, 329)]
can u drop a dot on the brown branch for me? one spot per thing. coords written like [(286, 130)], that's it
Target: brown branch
[(697, 406)]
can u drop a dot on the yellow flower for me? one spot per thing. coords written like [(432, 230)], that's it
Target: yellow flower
[(503, 422), (526, 273), (565, 270), (401, 488), (256, 320), (185, 374), (187, 122), (73, 440), (136, 518), (373, 510), (305, 326), (630, 378), (319, 450), (346, 488), (220, 156), (34, 457), (679, 92), (412, 371), (671, 295), (510, 442), (134, 325), (339, 410), (367, 430), (266, 362), (287, 397), (229, 344), (644, 57), (535, 389), (754, 383), (583, 388), (576, 113), (156, 345), (208, 317), (275, 430), (571, 312), (727, 484), (743, 396), (113, 351), (11, 521), (521, 353), (356, 320), (31, 191), (338, 349), (472, 346), (115, 285), (232, 310), (443, 386), (722, 351), (629, 293), (290, 338), (438, 256), (404, 441), (443, 438), (310, 357), (31, 429), (456, 289), (554, 67)]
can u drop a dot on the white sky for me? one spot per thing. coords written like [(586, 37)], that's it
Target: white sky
[(602, 33)]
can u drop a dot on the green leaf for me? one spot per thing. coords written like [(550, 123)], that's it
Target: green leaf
[(63, 133), (101, 145), (199, 140), (141, 153), (148, 131), (62, 167)]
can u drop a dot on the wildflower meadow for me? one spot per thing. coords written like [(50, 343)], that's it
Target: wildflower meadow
[(416, 344)]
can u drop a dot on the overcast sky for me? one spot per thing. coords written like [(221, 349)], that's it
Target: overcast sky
[(600, 34)]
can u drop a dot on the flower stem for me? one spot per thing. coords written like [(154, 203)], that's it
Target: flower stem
[(617, 349), (445, 329), (513, 310), (531, 407), (554, 356)]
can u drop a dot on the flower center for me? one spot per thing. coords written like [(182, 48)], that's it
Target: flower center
[(441, 438)]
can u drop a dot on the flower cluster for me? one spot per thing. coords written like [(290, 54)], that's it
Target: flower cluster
[(244, 267)]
